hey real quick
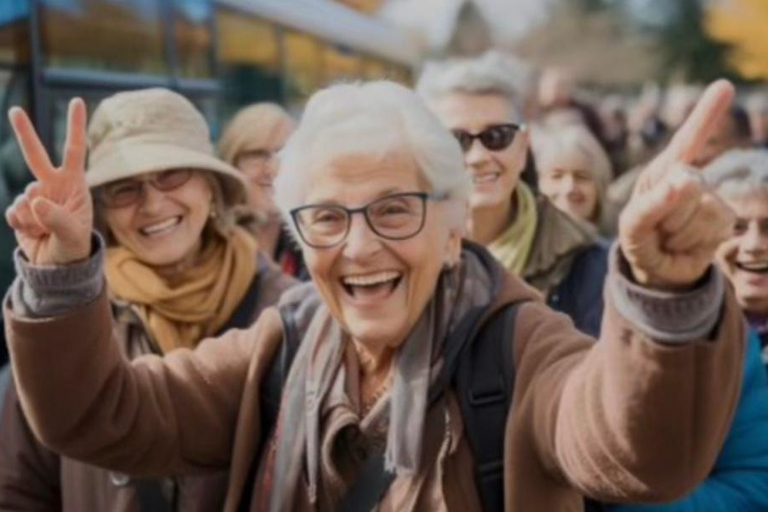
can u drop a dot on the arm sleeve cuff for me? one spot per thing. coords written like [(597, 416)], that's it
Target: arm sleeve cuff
[(667, 317), (46, 291)]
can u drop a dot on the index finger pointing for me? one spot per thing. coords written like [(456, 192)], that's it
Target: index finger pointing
[(34, 152), (701, 123)]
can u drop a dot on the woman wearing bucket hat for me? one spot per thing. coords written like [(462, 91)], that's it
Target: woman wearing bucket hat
[(250, 143), (178, 269)]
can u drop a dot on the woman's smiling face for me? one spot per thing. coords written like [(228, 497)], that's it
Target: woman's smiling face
[(163, 228), (375, 287), (745, 256)]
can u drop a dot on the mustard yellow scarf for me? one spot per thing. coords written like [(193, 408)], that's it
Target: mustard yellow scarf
[(513, 247), (206, 297)]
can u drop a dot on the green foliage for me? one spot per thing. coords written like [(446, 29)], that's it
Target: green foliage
[(687, 49)]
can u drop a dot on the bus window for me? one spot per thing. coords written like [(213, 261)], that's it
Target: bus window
[(123, 35), (250, 66), (340, 64), (401, 74), (303, 68), (14, 32), (375, 69), (193, 37)]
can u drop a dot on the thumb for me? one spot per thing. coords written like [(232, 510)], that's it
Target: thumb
[(56, 220)]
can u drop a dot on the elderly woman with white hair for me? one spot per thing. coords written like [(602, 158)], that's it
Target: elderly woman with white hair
[(424, 377), (741, 179), (574, 173)]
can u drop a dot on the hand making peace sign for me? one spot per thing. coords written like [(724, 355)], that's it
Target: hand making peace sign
[(673, 224), (53, 218)]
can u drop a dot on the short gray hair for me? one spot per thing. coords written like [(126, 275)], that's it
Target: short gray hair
[(372, 118), (739, 172), (492, 73)]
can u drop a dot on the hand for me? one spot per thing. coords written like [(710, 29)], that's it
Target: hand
[(673, 224), (53, 218)]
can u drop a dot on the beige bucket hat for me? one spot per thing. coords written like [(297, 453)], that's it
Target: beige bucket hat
[(137, 132)]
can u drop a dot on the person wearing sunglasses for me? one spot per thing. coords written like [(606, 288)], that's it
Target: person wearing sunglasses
[(478, 100), (177, 268), (366, 414), (250, 143)]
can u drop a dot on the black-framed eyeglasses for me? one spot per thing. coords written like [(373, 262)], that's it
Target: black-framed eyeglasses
[(127, 192), (494, 138), (394, 217)]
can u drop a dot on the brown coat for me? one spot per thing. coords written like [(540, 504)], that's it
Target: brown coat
[(626, 419), (33, 477)]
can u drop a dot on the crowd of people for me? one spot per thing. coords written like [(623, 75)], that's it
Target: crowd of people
[(470, 295)]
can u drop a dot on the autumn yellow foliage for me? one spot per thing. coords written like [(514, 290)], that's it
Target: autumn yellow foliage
[(744, 25)]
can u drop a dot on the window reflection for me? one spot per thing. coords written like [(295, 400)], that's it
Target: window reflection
[(14, 176), (123, 35), (193, 37), (250, 64), (340, 64), (302, 68), (374, 69), (14, 31)]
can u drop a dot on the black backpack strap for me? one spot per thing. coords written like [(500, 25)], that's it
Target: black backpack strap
[(484, 382), (150, 495)]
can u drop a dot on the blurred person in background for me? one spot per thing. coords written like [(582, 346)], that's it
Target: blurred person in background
[(614, 118), (678, 104), (757, 109), (741, 179), (557, 98), (732, 133), (251, 143), (574, 173), (478, 101), (377, 193), (178, 269)]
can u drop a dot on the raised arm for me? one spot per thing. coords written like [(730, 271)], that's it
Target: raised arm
[(81, 397), (642, 414)]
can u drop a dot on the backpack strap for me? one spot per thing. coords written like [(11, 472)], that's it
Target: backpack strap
[(484, 383), (151, 498)]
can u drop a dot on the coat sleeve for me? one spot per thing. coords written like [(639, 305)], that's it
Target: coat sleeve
[(630, 418), (739, 480), (150, 416), (29, 472)]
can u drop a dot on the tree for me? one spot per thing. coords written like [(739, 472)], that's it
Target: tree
[(742, 24), (687, 50)]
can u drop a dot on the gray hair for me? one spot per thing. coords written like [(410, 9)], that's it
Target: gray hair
[(739, 172), (492, 73), (373, 118)]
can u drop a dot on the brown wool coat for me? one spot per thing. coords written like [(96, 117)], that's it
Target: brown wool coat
[(626, 419), (33, 477)]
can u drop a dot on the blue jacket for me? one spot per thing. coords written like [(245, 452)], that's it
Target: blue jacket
[(580, 294), (739, 480)]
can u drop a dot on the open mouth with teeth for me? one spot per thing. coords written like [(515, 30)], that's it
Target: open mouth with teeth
[(487, 177), (372, 286), (160, 228), (753, 267)]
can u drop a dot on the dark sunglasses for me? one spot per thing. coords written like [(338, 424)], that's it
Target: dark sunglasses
[(493, 138)]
